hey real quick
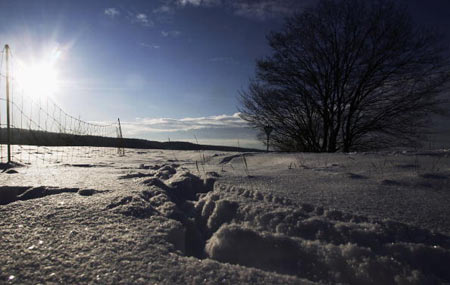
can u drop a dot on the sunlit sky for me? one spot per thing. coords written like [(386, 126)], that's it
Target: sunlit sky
[(168, 68)]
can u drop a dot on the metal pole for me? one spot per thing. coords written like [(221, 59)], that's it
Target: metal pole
[(267, 143), (7, 104)]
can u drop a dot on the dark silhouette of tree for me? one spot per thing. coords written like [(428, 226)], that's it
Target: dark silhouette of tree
[(348, 75)]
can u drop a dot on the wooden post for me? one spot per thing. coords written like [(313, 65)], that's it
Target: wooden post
[(8, 139), (121, 149)]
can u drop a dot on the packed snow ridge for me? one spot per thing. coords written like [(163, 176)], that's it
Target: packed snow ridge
[(9, 194), (254, 229)]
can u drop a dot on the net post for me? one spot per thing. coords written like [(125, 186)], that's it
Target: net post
[(121, 149), (8, 134)]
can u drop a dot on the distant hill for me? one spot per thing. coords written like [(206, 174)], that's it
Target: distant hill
[(42, 138)]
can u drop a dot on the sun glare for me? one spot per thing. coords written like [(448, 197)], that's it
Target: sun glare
[(39, 80)]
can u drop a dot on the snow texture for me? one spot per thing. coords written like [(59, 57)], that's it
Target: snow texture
[(273, 219), (332, 247)]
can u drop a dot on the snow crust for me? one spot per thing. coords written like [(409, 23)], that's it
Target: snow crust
[(157, 217), (328, 246)]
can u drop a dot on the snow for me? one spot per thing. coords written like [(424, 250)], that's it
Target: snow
[(205, 217)]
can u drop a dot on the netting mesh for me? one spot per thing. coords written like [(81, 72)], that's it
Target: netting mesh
[(42, 132)]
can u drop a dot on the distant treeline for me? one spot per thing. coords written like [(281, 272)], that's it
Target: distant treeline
[(42, 138)]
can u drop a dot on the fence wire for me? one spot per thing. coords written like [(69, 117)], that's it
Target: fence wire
[(41, 131)]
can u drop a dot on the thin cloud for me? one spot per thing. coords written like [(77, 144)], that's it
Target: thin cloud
[(265, 9), (189, 2), (112, 12), (168, 125), (164, 9), (220, 130), (146, 45), (199, 2), (255, 9), (173, 33), (143, 19)]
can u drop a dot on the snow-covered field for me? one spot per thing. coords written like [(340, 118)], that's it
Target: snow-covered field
[(189, 217)]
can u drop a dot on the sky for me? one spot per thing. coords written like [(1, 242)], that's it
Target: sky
[(169, 69)]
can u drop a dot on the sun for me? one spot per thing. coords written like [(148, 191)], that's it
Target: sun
[(36, 74), (39, 79)]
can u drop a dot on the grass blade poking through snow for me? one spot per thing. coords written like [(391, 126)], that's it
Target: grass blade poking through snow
[(202, 158), (244, 160), (245, 164)]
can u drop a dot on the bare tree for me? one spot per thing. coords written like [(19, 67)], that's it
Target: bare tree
[(347, 75)]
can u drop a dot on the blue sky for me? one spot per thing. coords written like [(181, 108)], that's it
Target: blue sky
[(168, 68)]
